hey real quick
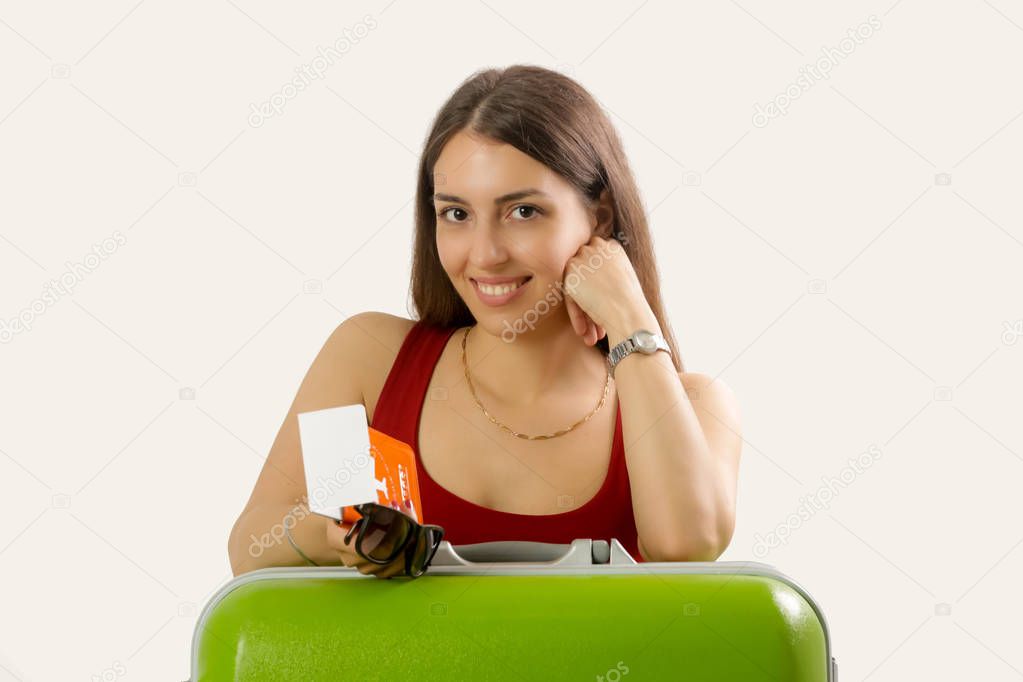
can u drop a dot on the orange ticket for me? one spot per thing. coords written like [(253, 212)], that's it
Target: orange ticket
[(397, 485)]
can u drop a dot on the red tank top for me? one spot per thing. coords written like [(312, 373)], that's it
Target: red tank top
[(607, 515)]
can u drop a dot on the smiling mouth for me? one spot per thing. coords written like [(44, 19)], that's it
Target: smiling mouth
[(500, 289)]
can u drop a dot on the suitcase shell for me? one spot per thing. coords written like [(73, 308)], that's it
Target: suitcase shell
[(516, 611)]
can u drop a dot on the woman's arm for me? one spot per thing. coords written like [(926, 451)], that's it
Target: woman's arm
[(682, 451), (258, 539)]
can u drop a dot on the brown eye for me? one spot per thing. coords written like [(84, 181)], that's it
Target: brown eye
[(527, 207), (444, 213)]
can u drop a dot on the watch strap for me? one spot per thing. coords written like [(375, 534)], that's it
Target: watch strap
[(629, 346)]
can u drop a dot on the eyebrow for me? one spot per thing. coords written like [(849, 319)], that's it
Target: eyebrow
[(504, 198)]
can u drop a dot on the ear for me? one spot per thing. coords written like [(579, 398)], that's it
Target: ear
[(602, 216)]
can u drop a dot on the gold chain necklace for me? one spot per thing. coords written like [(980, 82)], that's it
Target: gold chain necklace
[(472, 390)]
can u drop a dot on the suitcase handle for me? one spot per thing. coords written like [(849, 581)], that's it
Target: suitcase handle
[(579, 553)]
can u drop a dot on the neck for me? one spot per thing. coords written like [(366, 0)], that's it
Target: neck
[(551, 358)]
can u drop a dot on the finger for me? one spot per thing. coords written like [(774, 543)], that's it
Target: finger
[(336, 532), (601, 333), (576, 316), (570, 313), (591, 332), (394, 568), (370, 568), (333, 537), (386, 570), (349, 558)]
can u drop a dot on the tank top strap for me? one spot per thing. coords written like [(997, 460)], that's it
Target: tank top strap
[(401, 399)]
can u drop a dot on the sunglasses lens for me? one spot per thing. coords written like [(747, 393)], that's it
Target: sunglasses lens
[(426, 547), (386, 533)]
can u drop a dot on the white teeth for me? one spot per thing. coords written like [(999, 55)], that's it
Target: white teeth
[(497, 290)]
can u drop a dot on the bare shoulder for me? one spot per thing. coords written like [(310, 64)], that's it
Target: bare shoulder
[(384, 331), (374, 339)]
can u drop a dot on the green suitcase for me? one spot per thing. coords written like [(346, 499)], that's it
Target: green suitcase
[(516, 611)]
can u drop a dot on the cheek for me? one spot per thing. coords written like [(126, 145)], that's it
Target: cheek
[(554, 256), (448, 251)]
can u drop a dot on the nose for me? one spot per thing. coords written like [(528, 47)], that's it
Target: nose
[(488, 248)]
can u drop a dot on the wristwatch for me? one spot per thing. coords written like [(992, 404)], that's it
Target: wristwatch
[(642, 340)]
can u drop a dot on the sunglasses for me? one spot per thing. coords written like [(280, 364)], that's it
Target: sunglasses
[(384, 533)]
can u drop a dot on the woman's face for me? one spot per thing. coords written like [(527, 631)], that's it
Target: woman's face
[(503, 215)]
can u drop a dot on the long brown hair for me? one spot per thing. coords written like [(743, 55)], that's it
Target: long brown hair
[(553, 119)]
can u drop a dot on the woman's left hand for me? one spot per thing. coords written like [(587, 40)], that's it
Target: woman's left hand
[(601, 288)]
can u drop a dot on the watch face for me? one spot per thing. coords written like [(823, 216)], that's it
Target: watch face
[(645, 341)]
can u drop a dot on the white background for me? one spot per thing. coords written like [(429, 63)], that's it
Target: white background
[(851, 270)]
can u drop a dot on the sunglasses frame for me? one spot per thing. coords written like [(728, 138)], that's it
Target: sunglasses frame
[(408, 546)]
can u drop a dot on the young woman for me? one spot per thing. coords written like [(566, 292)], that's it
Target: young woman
[(532, 261)]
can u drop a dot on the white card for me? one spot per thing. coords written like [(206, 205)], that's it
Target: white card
[(339, 465)]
